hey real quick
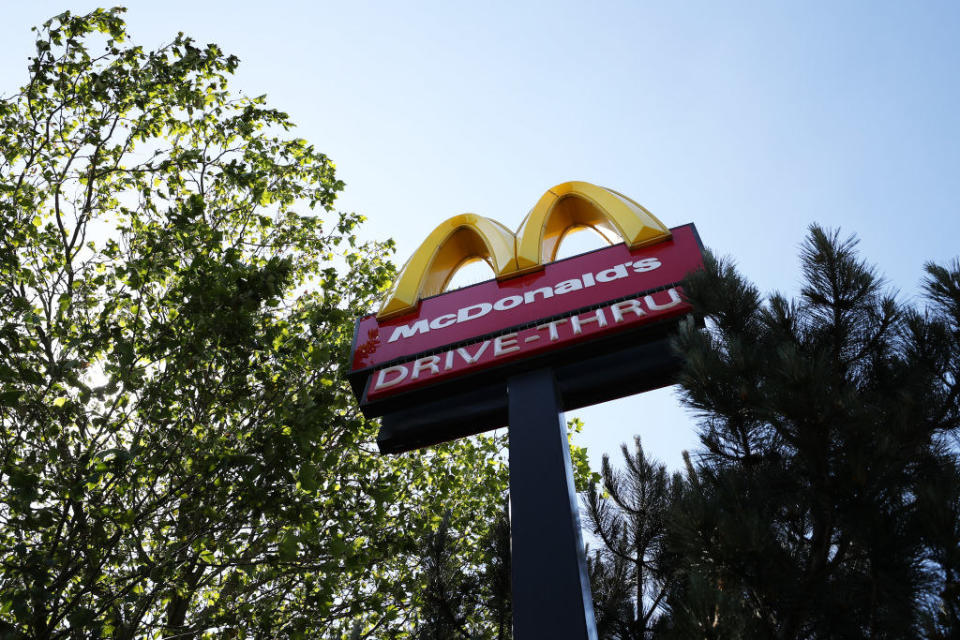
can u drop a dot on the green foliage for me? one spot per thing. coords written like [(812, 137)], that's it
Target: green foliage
[(460, 601), (628, 518), (825, 502), (583, 476), (463, 595), (180, 453)]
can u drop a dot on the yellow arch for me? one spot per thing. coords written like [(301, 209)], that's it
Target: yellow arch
[(455, 242), (571, 205), (467, 237)]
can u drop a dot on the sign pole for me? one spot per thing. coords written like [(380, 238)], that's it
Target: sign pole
[(551, 587)]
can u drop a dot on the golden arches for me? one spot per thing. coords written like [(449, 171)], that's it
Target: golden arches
[(453, 243), (468, 237), (580, 204)]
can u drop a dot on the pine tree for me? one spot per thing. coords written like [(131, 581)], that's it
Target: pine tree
[(449, 596), (939, 494), (455, 603), (824, 503), (627, 516)]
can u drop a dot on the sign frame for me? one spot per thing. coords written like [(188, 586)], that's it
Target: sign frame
[(628, 361)]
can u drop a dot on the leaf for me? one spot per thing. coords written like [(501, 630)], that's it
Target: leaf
[(308, 477), (287, 549), (10, 397)]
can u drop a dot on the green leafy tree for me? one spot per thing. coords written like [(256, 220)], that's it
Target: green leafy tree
[(824, 503), (180, 454)]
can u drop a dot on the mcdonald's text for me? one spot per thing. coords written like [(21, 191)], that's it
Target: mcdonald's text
[(480, 309)]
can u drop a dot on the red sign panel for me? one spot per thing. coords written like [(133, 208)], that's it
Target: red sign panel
[(493, 322), (523, 343)]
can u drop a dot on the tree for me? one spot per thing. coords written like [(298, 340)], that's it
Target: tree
[(628, 517), (458, 601), (180, 454), (824, 503)]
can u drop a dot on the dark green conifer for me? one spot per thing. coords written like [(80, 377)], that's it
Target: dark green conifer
[(627, 517), (824, 503), (457, 603)]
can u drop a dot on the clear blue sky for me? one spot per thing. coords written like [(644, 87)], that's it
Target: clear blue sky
[(750, 119)]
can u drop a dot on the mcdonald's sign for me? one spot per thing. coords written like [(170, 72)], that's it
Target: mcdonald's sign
[(433, 364)]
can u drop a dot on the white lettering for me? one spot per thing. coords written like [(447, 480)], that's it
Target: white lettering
[(467, 313), (481, 309), (530, 296), (647, 264), (404, 331), (445, 320), (383, 383), (626, 306), (505, 304), (430, 362), (505, 344), (567, 286), (674, 301), (448, 364), (552, 326), (577, 323), (472, 359), (615, 273)]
